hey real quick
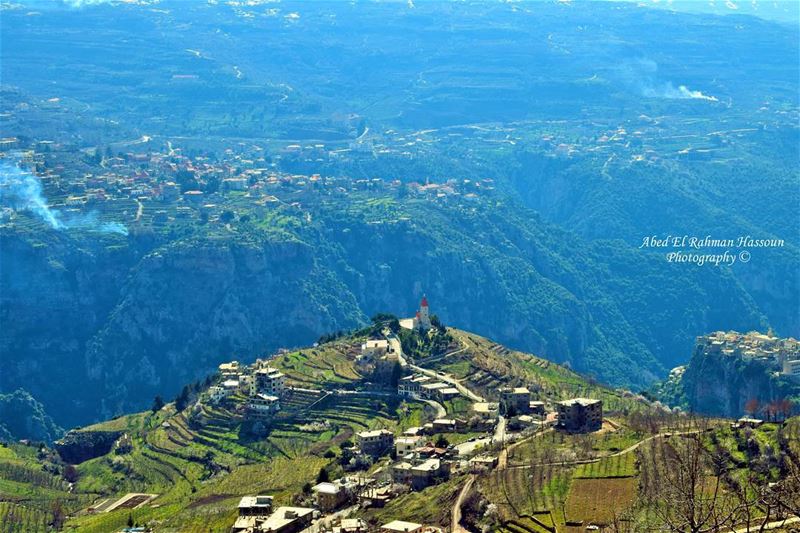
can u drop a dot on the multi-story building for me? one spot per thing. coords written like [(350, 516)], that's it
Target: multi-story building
[(515, 400), (247, 383), (428, 473), (411, 386), (406, 444), (375, 348), (334, 494), (580, 415), (262, 407), (270, 381), (422, 474), (376, 442), (287, 520), (216, 394), (229, 370), (791, 368)]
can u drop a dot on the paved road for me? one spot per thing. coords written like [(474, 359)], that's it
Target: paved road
[(466, 448), (398, 348), (499, 430), (499, 437), (455, 515)]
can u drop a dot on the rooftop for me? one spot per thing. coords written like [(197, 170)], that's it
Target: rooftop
[(327, 488), (256, 501), (585, 402), (428, 466), (284, 516), (267, 397), (374, 433), (399, 525)]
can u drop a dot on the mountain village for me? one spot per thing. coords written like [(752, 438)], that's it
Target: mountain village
[(383, 464)]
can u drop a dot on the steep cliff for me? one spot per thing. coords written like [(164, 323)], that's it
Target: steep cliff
[(94, 328), (79, 446), (98, 324), (721, 385)]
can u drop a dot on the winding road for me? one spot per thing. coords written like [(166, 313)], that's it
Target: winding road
[(397, 347)]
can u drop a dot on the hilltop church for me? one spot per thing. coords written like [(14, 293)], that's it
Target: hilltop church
[(422, 320)]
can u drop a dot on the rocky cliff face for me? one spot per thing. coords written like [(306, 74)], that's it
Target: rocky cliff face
[(79, 446), (99, 324), (93, 333), (719, 385), (22, 417)]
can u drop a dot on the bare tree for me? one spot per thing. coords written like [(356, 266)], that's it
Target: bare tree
[(686, 488)]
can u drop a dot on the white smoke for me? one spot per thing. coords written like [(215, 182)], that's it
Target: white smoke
[(22, 190), (642, 76), (667, 90)]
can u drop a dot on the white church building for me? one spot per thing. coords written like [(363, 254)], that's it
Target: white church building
[(422, 320)]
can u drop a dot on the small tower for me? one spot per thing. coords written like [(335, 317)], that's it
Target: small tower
[(423, 315)]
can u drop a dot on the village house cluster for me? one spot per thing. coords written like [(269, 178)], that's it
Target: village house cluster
[(256, 515), (261, 386), (172, 185), (780, 354)]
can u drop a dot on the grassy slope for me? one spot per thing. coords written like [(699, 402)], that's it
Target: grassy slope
[(485, 365), (200, 470)]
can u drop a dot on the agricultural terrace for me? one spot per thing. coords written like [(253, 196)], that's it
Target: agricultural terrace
[(200, 461), (621, 474)]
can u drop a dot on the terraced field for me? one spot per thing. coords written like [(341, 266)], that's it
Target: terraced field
[(519, 492), (329, 365), (484, 366), (200, 461), (32, 498)]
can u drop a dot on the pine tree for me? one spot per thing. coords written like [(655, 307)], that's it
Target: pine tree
[(158, 403)]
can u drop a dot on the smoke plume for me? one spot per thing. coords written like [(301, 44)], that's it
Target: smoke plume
[(22, 190), (642, 76)]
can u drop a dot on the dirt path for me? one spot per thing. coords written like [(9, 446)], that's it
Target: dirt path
[(770, 525), (455, 517), (441, 412)]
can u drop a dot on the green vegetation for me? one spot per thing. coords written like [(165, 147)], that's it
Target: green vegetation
[(199, 461), (34, 499), (609, 467), (576, 478), (328, 365), (484, 366), (431, 506)]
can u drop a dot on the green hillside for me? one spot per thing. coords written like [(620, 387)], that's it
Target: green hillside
[(202, 460)]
